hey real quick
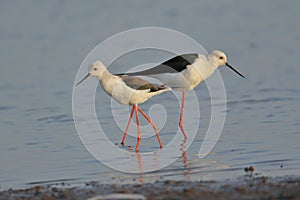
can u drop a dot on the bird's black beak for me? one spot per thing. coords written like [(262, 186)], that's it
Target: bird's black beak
[(234, 70), (83, 79)]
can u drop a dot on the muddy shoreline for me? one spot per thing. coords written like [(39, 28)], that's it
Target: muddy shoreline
[(242, 188)]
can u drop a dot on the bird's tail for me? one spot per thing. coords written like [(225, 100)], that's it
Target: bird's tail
[(161, 90)]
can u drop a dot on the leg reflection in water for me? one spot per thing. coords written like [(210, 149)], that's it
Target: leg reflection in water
[(186, 165)]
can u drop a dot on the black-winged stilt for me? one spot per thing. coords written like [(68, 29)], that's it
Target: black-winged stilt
[(185, 72), (127, 90)]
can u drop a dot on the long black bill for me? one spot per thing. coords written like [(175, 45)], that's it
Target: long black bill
[(234, 70), (83, 79)]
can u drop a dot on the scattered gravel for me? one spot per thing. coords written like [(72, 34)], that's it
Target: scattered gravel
[(241, 188)]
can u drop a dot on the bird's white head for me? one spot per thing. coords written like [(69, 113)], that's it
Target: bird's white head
[(97, 69), (219, 58)]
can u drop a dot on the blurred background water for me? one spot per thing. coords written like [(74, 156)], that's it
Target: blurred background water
[(42, 44)]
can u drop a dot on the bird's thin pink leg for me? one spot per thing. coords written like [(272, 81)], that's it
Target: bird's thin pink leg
[(181, 115), (128, 124), (138, 127), (153, 125)]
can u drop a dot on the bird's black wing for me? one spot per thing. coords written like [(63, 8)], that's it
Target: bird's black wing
[(173, 65)]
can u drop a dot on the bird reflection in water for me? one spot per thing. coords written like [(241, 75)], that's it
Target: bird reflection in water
[(140, 167), (185, 163)]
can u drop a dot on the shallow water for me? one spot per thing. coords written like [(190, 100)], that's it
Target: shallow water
[(43, 44)]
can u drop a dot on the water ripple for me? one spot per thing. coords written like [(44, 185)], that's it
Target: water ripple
[(265, 100), (4, 108), (56, 118)]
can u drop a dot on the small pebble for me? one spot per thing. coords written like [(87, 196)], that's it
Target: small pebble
[(251, 168)]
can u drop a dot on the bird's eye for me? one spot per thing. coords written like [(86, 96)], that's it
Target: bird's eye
[(95, 68), (221, 57)]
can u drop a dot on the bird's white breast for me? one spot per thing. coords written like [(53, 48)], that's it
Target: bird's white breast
[(199, 71), (123, 94), (116, 88)]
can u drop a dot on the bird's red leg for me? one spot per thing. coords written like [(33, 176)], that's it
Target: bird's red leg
[(181, 115), (153, 125), (138, 127), (128, 124)]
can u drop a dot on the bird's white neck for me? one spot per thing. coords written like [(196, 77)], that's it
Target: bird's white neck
[(205, 66), (105, 76), (213, 63)]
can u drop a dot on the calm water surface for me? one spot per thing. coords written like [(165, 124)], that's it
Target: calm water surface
[(43, 43)]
